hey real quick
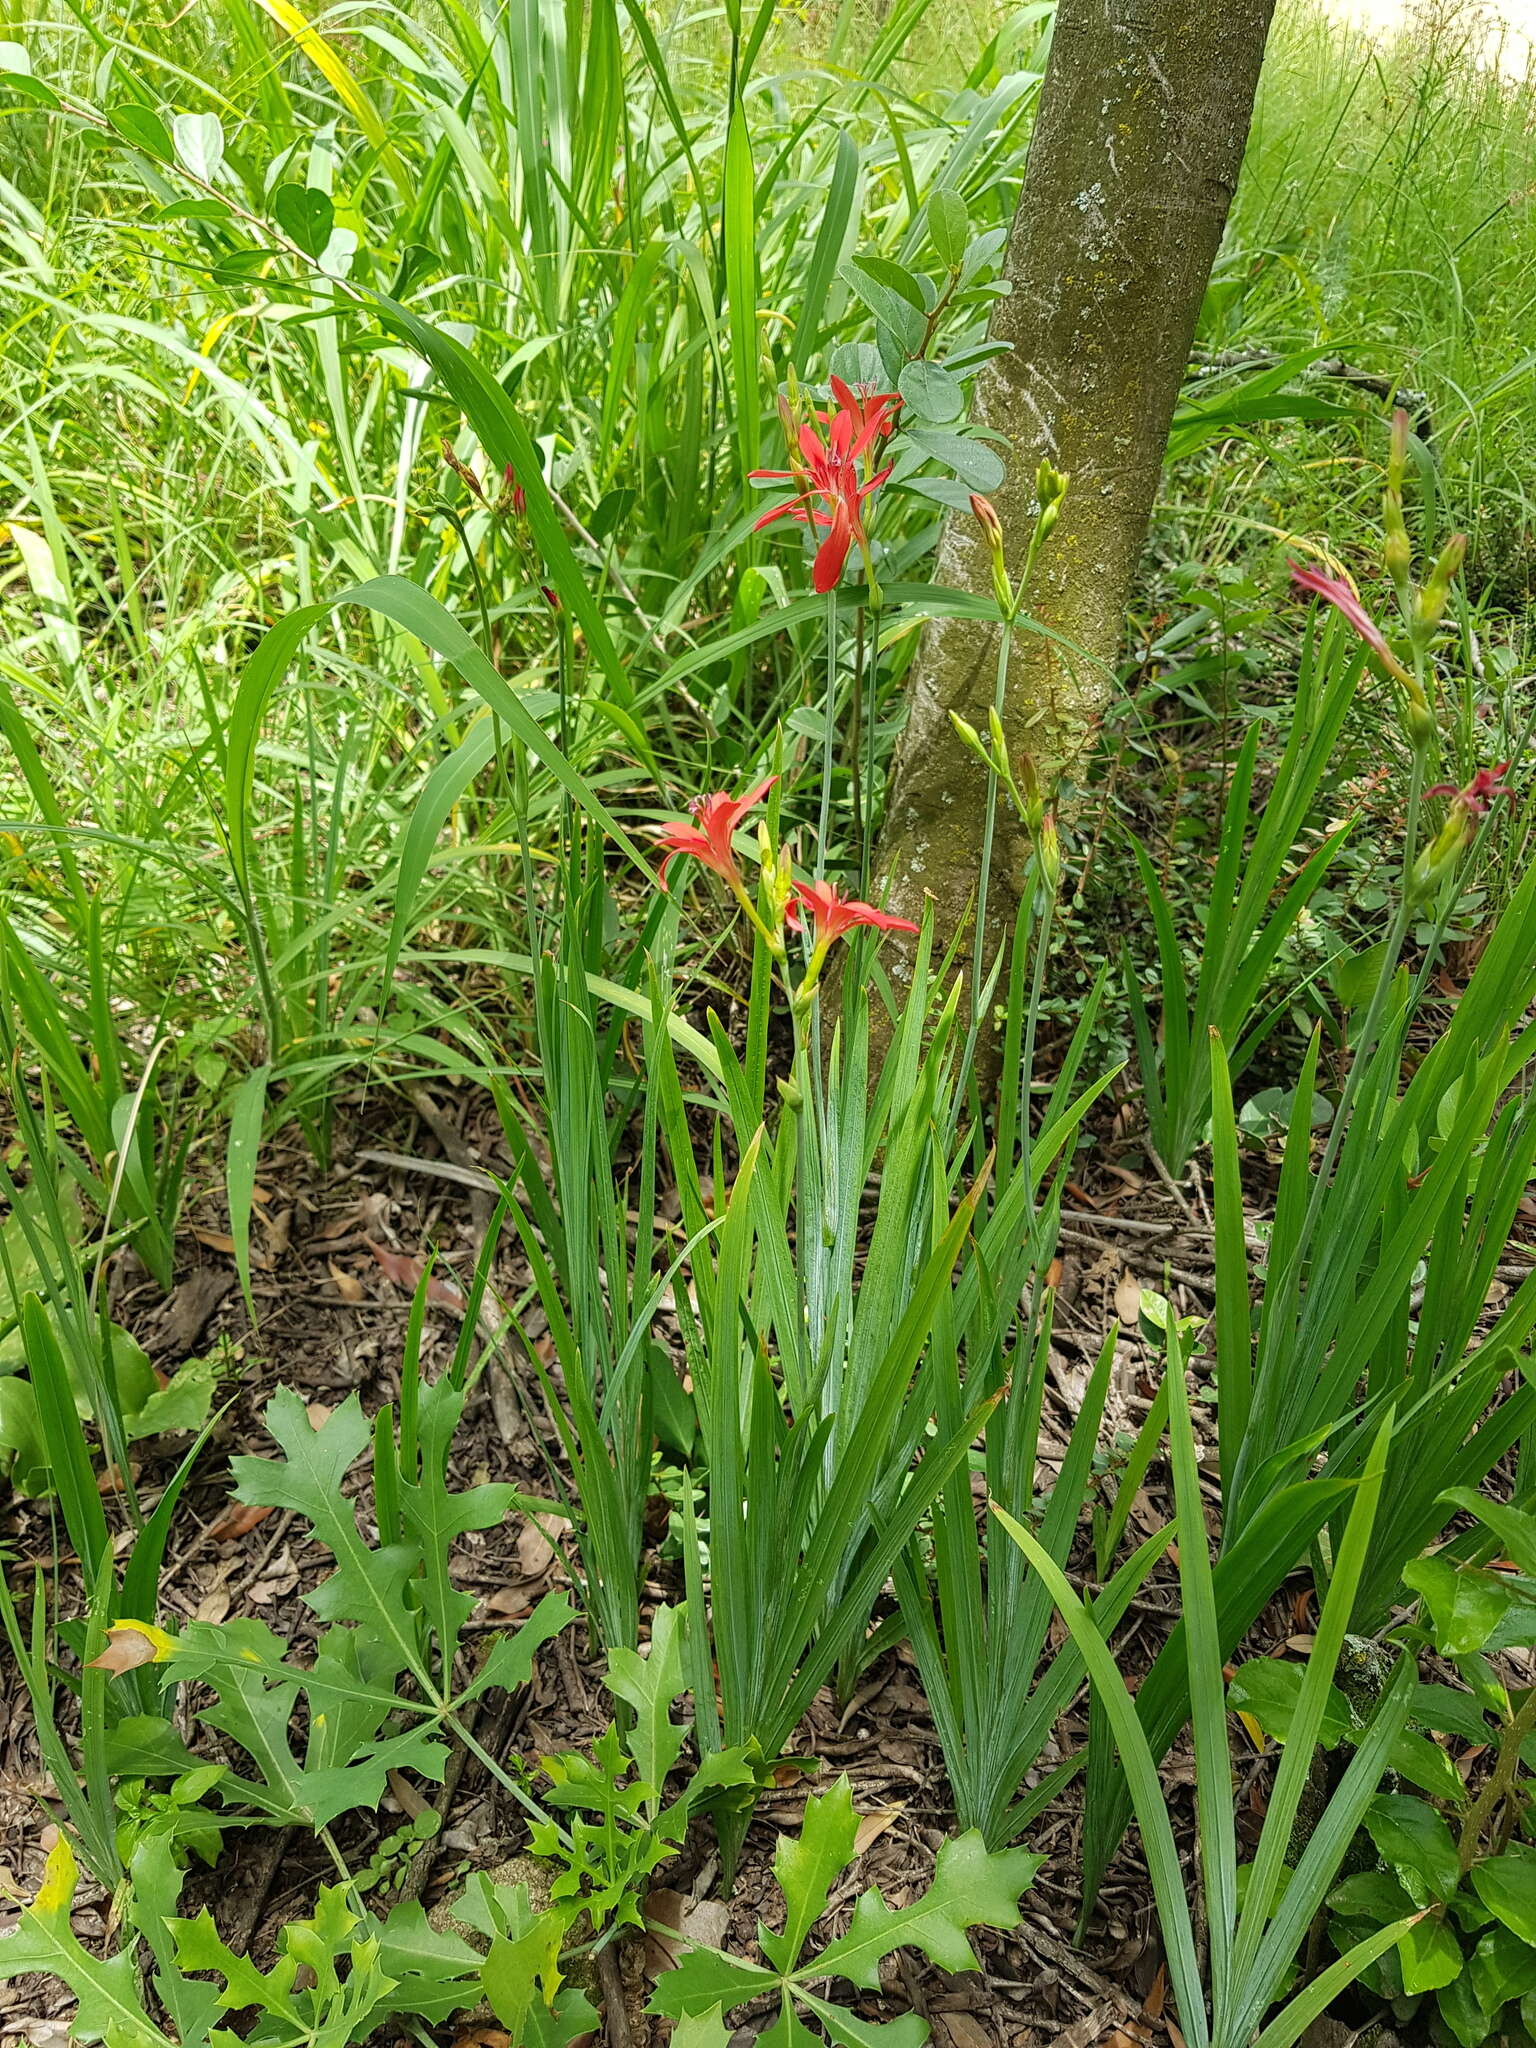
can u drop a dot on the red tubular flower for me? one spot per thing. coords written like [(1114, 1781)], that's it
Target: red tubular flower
[(1485, 787), (830, 471), (1335, 590), (832, 913), (708, 838)]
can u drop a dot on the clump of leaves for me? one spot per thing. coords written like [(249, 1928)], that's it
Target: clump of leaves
[(623, 1826), (972, 1887), (338, 1976), (381, 1687), (1463, 1860)]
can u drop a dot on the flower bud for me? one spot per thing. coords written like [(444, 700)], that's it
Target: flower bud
[(1419, 720), (1432, 598), (1438, 862), (1048, 847), (1050, 485), (992, 532)]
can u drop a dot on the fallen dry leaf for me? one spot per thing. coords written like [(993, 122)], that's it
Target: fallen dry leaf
[(406, 1273), (1128, 1298), (235, 1521), (348, 1286), (964, 2030), (873, 1825)]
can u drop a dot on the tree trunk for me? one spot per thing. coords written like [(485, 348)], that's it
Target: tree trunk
[(1143, 119)]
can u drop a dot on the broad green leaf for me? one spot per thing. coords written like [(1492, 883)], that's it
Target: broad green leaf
[(1425, 1764), (1503, 1967), (1463, 2011), (199, 140), (949, 226), (143, 128), (1373, 1895), (1413, 1840), (1465, 1605), (931, 392), (1430, 1955), (978, 465), (1507, 1887), (806, 1866), (1267, 1688), (1515, 1529), (305, 215), (972, 1887)]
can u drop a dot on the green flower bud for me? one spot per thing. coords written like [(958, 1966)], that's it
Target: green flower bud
[(1433, 597)]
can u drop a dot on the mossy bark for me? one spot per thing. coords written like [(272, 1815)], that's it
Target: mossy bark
[(1143, 118)]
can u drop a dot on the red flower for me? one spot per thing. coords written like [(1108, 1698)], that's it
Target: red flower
[(1341, 595), (830, 471), (708, 838), (832, 913), (1486, 785)]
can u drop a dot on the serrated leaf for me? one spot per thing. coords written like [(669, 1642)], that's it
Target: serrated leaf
[(345, 1765), (972, 1887), (435, 1519), (649, 1685), (368, 1586), (806, 1866), (522, 1970), (107, 1991), (509, 1663), (849, 2030), (787, 2031), (436, 1972), (703, 1979)]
